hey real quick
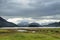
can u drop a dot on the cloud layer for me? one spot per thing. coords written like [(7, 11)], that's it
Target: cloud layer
[(29, 8), (41, 20), (30, 20)]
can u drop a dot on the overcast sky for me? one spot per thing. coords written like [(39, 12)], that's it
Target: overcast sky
[(36, 9)]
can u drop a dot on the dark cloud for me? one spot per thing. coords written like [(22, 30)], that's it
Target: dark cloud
[(35, 8)]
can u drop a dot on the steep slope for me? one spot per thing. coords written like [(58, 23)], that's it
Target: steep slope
[(4, 23)]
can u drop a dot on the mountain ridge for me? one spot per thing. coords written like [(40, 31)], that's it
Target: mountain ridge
[(4, 23)]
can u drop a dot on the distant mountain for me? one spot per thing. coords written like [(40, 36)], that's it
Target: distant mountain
[(23, 24), (27, 24), (4, 23), (34, 25), (56, 24)]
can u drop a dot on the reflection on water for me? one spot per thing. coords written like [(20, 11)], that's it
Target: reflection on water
[(25, 27)]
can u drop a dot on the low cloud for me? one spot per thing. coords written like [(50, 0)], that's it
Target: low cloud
[(42, 20)]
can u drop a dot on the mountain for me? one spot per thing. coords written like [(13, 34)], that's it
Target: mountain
[(4, 23), (56, 24), (23, 24), (27, 24), (34, 25)]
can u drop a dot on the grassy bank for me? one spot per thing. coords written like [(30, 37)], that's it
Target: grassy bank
[(40, 35)]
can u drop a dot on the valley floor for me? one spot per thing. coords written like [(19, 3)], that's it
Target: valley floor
[(30, 36)]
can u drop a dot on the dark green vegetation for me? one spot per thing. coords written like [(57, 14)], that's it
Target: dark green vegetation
[(39, 34)]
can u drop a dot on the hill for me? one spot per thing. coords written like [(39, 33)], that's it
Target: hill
[(4, 23), (56, 24)]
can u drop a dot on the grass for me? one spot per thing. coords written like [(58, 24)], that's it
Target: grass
[(40, 35)]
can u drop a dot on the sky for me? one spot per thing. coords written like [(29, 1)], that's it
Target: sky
[(41, 11)]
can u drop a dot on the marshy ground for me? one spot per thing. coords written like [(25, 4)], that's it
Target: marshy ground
[(39, 34)]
